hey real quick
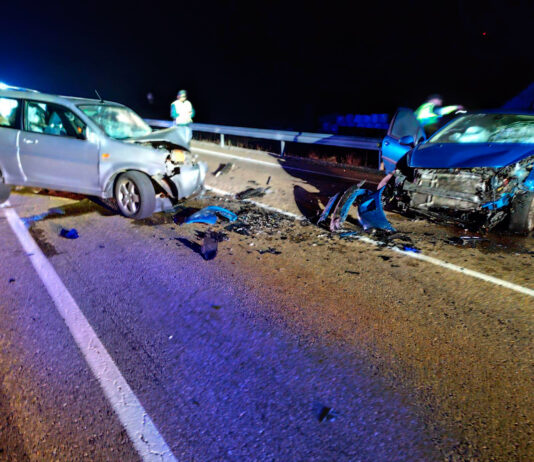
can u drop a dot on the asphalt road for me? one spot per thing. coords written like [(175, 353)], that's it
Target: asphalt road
[(292, 344)]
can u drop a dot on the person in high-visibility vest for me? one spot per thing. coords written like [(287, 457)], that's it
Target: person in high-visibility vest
[(182, 112), (430, 112)]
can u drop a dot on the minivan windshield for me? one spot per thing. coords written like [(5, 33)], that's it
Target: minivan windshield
[(118, 122), (488, 128)]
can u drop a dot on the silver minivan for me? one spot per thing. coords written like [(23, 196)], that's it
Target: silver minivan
[(93, 147)]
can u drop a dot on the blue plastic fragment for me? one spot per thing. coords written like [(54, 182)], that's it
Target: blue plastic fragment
[(371, 213), (343, 206), (208, 215), (53, 211), (69, 233), (328, 207), (349, 233), (407, 248), (230, 216), (351, 197)]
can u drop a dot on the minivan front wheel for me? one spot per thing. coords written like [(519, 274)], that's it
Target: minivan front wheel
[(522, 213), (135, 195)]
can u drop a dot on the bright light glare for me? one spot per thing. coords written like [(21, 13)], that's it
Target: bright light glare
[(3, 86)]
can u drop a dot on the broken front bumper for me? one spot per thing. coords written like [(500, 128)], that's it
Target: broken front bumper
[(188, 181)]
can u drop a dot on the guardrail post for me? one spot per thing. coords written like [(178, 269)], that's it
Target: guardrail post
[(282, 147), (222, 140)]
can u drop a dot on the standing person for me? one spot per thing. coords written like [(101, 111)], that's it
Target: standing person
[(182, 112), (431, 111)]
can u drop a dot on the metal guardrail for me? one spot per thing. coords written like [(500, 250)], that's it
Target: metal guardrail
[(325, 139)]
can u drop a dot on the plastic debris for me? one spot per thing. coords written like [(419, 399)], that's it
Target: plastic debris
[(50, 212), (210, 246), (69, 233), (269, 250), (252, 192), (343, 206), (324, 413), (348, 234), (407, 248), (11, 280), (209, 214), (223, 169), (327, 208), (371, 214)]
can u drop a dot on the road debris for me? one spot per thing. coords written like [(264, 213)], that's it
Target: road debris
[(408, 248), (252, 192), (465, 240), (269, 250), (209, 214), (69, 233), (327, 208), (222, 169), (210, 245), (324, 413), (11, 280), (49, 213), (370, 212)]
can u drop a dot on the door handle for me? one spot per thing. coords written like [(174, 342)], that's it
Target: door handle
[(386, 143), (29, 141)]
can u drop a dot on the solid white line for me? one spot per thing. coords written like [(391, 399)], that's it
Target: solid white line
[(417, 256), (144, 435), (270, 164)]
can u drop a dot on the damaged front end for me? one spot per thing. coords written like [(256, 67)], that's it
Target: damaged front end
[(184, 174), (472, 197)]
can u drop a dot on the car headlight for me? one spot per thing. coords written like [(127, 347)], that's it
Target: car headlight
[(178, 156)]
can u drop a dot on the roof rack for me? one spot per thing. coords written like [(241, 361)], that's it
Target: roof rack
[(4, 86)]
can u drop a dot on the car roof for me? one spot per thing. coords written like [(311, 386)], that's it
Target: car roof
[(25, 93)]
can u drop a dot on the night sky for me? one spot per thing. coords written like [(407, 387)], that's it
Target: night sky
[(272, 64)]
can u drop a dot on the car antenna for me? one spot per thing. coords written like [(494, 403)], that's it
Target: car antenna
[(99, 97)]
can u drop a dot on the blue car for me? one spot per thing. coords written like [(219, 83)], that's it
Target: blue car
[(477, 171)]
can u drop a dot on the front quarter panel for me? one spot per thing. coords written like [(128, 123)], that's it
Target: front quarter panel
[(117, 156)]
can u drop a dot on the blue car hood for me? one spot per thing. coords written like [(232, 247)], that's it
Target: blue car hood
[(468, 155)]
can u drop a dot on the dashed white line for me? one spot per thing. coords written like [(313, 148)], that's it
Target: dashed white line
[(143, 433), (417, 256)]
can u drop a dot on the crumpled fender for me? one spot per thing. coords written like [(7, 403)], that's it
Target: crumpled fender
[(370, 212)]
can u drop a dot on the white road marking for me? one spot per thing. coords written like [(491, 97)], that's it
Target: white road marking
[(417, 256), (144, 435), (270, 164)]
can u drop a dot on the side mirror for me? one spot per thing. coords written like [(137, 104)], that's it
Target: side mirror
[(407, 141)]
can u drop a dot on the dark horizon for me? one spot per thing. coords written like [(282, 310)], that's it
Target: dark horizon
[(273, 65)]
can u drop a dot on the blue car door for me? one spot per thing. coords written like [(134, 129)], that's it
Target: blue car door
[(404, 123)]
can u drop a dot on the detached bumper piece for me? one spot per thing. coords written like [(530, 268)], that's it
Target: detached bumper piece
[(370, 212)]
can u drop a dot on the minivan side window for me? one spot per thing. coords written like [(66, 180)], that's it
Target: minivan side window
[(52, 119), (9, 110)]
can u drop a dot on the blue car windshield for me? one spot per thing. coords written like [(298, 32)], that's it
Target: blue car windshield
[(487, 128), (118, 122)]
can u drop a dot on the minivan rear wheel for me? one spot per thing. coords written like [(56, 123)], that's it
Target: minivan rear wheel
[(522, 213), (135, 195)]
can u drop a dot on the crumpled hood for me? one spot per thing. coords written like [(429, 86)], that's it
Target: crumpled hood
[(172, 135), (468, 155)]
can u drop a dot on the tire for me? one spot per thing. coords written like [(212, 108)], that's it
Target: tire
[(5, 190), (522, 213), (135, 195)]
